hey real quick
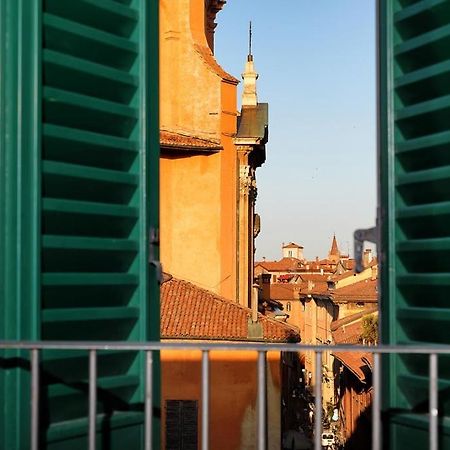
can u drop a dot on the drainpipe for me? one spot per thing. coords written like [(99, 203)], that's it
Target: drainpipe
[(255, 303)]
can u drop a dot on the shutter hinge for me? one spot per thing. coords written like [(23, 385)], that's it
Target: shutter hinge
[(359, 237), (153, 261)]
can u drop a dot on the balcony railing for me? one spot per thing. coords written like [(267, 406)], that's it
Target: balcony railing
[(261, 349)]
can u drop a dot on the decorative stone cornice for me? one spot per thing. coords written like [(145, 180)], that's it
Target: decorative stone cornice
[(212, 7)]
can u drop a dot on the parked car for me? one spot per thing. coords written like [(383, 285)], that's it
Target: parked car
[(327, 439)]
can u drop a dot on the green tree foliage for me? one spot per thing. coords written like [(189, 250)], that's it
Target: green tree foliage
[(369, 334)]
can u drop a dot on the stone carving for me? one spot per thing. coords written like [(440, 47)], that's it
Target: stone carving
[(247, 182)]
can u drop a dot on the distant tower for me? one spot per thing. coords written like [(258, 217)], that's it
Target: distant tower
[(249, 76), (250, 141), (334, 254), (293, 250)]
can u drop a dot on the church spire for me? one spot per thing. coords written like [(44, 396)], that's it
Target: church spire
[(334, 254), (334, 247), (249, 76)]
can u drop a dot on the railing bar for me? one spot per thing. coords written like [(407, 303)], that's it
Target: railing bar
[(376, 402), (433, 405), (318, 402), (148, 399), (261, 425), (92, 397), (205, 400), (157, 346), (34, 399)]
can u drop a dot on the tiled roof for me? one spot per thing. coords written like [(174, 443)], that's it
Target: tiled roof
[(189, 312), (253, 122), (351, 273), (327, 262), (284, 291), (316, 277), (356, 362), (287, 276), (353, 318), (349, 264), (344, 275), (171, 139), (283, 265), (317, 288), (348, 334), (292, 245), (364, 291)]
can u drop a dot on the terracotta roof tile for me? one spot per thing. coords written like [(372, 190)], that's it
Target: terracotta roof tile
[(349, 264), (356, 363), (292, 245), (364, 291), (344, 276), (284, 291), (348, 334), (189, 312), (283, 265), (317, 288), (327, 262), (315, 277), (353, 318), (171, 139)]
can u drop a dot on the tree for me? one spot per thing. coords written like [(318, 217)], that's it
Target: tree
[(369, 334)]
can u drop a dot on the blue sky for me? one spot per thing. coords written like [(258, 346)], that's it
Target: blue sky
[(316, 65)]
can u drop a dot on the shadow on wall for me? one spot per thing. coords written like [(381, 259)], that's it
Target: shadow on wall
[(233, 398), (361, 436)]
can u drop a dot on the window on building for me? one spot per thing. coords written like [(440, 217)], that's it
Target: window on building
[(288, 306), (181, 424)]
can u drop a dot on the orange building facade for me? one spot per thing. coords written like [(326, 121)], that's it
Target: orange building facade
[(192, 314), (198, 164)]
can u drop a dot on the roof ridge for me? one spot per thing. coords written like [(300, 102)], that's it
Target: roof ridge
[(232, 303)]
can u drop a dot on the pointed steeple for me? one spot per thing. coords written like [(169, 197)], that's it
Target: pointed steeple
[(249, 76), (334, 254)]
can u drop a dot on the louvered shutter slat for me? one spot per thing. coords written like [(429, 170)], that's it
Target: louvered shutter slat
[(94, 284), (79, 191), (415, 176)]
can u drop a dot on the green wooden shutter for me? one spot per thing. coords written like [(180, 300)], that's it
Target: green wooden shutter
[(79, 187), (415, 208)]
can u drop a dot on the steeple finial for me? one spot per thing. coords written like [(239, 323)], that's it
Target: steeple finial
[(250, 56), (249, 97)]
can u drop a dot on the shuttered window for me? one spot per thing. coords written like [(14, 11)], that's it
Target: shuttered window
[(181, 425), (415, 206), (85, 158)]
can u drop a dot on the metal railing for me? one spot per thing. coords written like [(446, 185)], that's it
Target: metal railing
[(206, 348)]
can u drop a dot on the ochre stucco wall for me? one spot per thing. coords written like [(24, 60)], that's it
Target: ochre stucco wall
[(190, 219), (198, 191), (233, 384)]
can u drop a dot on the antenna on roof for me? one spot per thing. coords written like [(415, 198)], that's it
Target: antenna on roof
[(250, 56)]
